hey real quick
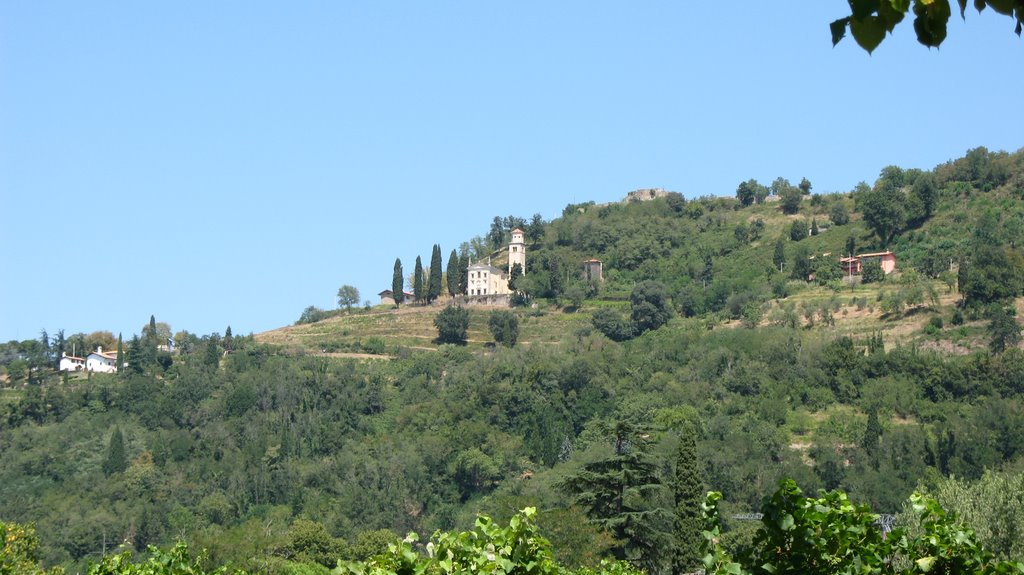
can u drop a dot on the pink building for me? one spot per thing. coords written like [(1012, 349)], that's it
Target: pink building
[(854, 266)]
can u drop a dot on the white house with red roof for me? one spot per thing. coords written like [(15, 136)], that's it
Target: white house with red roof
[(101, 361)]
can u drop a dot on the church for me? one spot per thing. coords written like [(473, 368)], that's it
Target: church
[(485, 279)]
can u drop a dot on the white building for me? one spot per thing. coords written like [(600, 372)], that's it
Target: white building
[(71, 363), (485, 279), (101, 361)]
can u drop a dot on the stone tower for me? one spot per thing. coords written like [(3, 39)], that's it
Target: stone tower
[(517, 251)]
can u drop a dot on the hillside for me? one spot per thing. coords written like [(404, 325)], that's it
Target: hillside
[(286, 450), (716, 257)]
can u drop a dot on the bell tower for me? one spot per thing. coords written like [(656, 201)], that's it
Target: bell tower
[(517, 251)]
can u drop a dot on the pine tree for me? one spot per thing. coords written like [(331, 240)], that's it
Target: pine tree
[(453, 274), (398, 283), (434, 284), (619, 493), (688, 489), (116, 460), (229, 341), (417, 281), (814, 226)]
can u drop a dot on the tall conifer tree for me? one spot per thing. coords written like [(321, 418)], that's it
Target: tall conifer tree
[(398, 283), (434, 283), (688, 491), (780, 253), (119, 362), (453, 274), (463, 273), (619, 494), (417, 281), (116, 460)]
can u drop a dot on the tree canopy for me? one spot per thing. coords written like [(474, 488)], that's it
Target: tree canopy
[(870, 20), (348, 296)]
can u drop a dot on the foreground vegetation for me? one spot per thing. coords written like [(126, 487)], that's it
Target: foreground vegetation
[(798, 534)]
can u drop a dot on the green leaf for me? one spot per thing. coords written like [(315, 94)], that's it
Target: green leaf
[(863, 8), (930, 24), (868, 32), (963, 8), (786, 522), (733, 568), (1004, 7), (838, 29), (892, 15), (925, 564)]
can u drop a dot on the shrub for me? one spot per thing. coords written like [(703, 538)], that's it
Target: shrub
[(871, 272), (612, 324), (311, 314), (798, 230), (452, 325), (839, 215), (958, 317), (504, 327)]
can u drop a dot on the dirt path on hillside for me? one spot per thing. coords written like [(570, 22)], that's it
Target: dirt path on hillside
[(346, 355)]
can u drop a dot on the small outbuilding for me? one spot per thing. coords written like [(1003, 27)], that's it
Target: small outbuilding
[(593, 270), (387, 297)]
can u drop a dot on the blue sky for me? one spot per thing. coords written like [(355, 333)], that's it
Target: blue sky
[(230, 163)]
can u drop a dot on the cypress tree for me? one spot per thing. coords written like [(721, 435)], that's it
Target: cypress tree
[(453, 274), (872, 436), (228, 339), (116, 460), (119, 362), (555, 271), (688, 490), (463, 273), (398, 283), (780, 253), (814, 226), (434, 284), (514, 275), (417, 281)]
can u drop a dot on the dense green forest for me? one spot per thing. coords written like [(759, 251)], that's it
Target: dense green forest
[(724, 351)]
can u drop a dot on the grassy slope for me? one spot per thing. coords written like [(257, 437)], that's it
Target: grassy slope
[(856, 308)]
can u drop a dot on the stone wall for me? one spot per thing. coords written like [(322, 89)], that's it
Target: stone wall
[(492, 300)]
